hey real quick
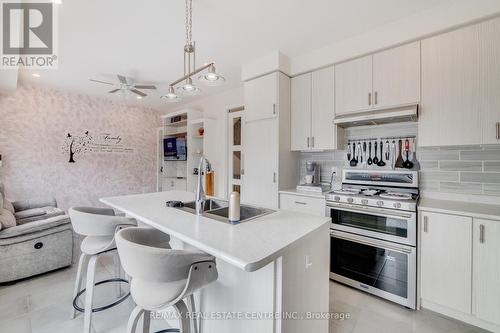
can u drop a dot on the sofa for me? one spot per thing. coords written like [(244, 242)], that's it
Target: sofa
[(40, 240)]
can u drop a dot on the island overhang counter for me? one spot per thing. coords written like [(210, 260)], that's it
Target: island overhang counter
[(273, 270)]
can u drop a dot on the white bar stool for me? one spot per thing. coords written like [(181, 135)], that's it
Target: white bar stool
[(99, 226), (162, 277)]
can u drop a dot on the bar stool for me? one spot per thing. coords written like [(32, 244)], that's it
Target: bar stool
[(99, 226), (162, 277)]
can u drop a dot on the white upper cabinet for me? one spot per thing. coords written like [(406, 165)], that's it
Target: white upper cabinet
[(323, 105), (396, 76), (261, 97), (487, 270), (446, 260), (313, 110), (460, 85), (386, 79), (489, 83), (353, 86), (301, 112)]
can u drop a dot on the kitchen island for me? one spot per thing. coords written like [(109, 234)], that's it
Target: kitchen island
[(273, 270)]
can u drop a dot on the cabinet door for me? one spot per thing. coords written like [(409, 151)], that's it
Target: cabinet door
[(446, 260), (301, 112), (261, 97), (486, 290), (353, 86), (396, 76), (260, 181), (488, 99), (323, 105), (303, 204), (451, 80)]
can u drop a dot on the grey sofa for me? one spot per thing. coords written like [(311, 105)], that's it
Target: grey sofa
[(41, 242)]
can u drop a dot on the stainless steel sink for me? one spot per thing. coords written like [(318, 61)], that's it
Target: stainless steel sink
[(219, 210)]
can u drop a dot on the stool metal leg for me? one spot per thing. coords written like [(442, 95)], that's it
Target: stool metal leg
[(192, 308), (134, 319), (185, 323), (146, 321), (89, 294), (82, 263), (118, 274)]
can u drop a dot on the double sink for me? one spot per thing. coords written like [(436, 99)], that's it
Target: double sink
[(219, 210)]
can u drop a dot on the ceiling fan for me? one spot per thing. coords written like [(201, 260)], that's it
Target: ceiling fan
[(125, 85)]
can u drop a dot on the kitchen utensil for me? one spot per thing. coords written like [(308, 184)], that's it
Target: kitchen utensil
[(399, 160), (363, 158), (387, 153), (354, 161), (416, 163), (369, 161), (393, 154), (360, 156), (380, 163), (348, 152), (375, 159), (309, 179), (407, 164)]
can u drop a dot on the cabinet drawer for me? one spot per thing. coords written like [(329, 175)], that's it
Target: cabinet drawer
[(303, 204)]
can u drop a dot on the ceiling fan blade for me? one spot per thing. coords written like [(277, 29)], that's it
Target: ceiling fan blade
[(144, 86), (122, 79), (113, 91), (140, 93), (101, 81)]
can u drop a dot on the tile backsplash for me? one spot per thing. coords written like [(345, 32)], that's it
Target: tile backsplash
[(471, 169)]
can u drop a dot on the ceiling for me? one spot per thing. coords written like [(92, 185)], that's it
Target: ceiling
[(144, 39)]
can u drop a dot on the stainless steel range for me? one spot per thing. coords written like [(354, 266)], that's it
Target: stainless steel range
[(374, 233)]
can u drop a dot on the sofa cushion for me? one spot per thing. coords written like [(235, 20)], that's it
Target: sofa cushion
[(7, 219), (8, 205), (35, 214), (35, 226)]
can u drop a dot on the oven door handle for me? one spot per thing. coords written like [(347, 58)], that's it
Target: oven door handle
[(373, 211), (384, 245)]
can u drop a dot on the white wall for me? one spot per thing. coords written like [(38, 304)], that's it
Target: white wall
[(216, 107)]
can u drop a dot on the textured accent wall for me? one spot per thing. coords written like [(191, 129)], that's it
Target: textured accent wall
[(34, 123)]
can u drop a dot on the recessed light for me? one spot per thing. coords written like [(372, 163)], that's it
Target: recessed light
[(57, 2), (139, 97), (35, 75)]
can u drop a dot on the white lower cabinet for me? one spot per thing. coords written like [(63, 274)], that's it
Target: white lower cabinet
[(303, 204), (174, 184), (460, 268), (486, 289), (446, 260)]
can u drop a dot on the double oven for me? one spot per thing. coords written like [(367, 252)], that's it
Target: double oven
[(373, 245)]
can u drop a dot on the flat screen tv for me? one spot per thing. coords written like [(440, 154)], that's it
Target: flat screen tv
[(174, 149)]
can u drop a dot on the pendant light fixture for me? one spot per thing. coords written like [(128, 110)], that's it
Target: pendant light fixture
[(209, 78)]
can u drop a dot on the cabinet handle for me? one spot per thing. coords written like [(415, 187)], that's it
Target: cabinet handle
[(369, 98), (481, 233), (274, 109), (376, 97), (312, 141), (498, 130), (426, 227), (274, 177), (308, 142), (300, 203)]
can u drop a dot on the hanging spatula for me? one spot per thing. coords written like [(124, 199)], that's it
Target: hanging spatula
[(399, 161)]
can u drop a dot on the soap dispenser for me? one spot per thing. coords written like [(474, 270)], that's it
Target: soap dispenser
[(234, 207)]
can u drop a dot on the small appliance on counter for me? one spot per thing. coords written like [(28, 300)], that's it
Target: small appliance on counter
[(311, 181)]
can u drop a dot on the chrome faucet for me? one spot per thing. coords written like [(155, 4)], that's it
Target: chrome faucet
[(200, 192)]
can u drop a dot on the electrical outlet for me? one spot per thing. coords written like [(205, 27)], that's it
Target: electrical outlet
[(308, 262)]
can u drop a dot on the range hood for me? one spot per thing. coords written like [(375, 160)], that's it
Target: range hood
[(377, 117)]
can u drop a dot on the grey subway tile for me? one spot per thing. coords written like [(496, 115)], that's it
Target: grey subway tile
[(468, 147), (450, 155), (460, 166), (429, 186), (492, 166), (490, 189), (460, 188), (429, 165), (480, 155), (480, 177), (429, 176)]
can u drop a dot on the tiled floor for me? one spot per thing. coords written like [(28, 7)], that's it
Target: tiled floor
[(43, 305)]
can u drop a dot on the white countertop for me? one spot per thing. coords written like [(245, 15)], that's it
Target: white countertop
[(304, 194), (250, 245), (486, 211)]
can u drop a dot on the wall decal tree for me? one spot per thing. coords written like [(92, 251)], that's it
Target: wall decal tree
[(76, 145)]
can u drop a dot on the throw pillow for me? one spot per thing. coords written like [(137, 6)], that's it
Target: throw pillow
[(8, 205), (7, 219)]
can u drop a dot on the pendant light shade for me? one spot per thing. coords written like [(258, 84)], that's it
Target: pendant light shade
[(189, 88), (211, 78), (171, 96)]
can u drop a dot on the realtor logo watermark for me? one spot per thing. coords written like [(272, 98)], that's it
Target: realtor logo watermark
[(28, 33)]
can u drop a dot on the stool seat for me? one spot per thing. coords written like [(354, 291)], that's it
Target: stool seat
[(97, 244), (161, 276)]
